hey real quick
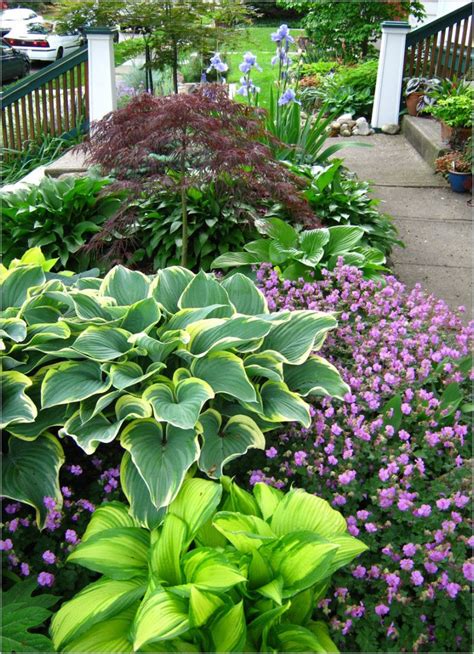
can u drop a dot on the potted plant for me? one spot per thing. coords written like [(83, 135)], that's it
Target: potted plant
[(417, 94), (455, 115), (456, 166)]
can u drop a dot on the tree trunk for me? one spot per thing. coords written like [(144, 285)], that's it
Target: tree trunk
[(175, 67)]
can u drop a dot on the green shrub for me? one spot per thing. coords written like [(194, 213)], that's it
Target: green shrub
[(232, 574), (318, 68), (455, 110), (183, 369), (304, 254), (60, 216)]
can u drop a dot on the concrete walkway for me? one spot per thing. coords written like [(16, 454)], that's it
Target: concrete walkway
[(435, 223)]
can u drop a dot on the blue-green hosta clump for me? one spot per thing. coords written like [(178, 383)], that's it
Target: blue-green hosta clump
[(182, 369), (223, 572)]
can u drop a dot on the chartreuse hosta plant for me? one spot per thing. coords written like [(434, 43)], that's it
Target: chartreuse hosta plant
[(183, 370), (304, 254), (222, 572)]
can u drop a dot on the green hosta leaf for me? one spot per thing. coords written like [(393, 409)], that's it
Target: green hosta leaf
[(264, 364), (72, 382), (17, 407), (111, 515), (118, 553), (245, 532), (316, 376), (303, 332), (102, 343), (312, 242), (342, 239), (229, 630), (202, 606), (90, 307), (112, 635), (230, 259), (141, 316), (161, 616), (136, 491), (215, 334), (14, 288), (162, 464), (30, 472), (268, 498), (13, 329), (125, 286), (127, 373), (244, 295), (168, 286), (282, 405), (280, 231), (225, 373), (299, 510), (301, 558), (181, 408), (203, 291), (91, 434), (210, 570), (221, 445), (99, 601)]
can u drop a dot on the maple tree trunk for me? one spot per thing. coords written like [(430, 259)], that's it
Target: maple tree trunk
[(175, 68)]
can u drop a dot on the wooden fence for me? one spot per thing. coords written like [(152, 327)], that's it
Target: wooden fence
[(441, 48), (53, 101)]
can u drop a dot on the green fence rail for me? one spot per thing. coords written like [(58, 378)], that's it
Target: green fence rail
[(53, 101), (441, 48)]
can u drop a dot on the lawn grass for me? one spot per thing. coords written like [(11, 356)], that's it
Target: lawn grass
[(258, 41)]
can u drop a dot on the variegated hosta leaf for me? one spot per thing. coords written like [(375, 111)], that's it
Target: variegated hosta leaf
[(168, 286), (246, 532), (214, 334), (127, 373), (13, 329), (30, 472), (182, 406), (99, 601), (225, 373), (316, 376), (17, 407), (141, 316), (110, 515), (211, 570), (16, 284), (136, 491), (245, 296), (229, 629), (203, 291), (161, 616), (202, 606), (223, 444), (264, 364), (162, 458), (71, 382), (112, 635), (103, 343), (125, 286)]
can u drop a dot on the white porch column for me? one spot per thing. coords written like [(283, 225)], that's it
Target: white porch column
[(390, 73), (101, 63)]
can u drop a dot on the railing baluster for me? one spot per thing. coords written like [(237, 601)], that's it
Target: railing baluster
[(463, 46), (452, 67), (6, 143), (65, 101), (59, 121), (73, 97), (412, 61), (16, 109), (44, 108), (37, 112), (433, 54), (469, 46), (79, 93), (440, 51), (51, 116), (24, 119), (31, 117), (419, 54), (10, 126)]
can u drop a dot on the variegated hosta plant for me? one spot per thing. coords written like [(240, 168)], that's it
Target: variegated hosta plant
[(181, 368), (223, 572)]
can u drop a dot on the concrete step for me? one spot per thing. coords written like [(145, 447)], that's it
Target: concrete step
[(71, 163), (424, 134)]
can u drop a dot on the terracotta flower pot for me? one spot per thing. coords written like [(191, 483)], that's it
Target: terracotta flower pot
[(460, 134), (412, 102)]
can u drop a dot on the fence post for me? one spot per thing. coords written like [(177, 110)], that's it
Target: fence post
[(101, 62), (390, 73)]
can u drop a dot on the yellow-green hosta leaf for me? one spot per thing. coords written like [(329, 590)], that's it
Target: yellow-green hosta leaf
[(72, 381), (273, 590), (30, 472), (203, 290), (321, 631), (127, 373), (136, 491), (297, 337), (195, 503), (165, 555), (16, 284), (183, 407), (161, 463), (111, 635), (294, 638), (225, 373), (316, 376), (110, 515), (168, 286), (268, 498), (102, 343), (245, 532), (299, 511), (349, 548), (229, 629), (202, 606), (96, 603), (258, 629), (161, 616), (91, 434), (125, 286), (223, 444), (141, 316), (238, 499), (211, 570), (259, 571), (244, 295), (118, 553), (301, 558), (282, 405), (219, 334), (17, 407), (264, 364)]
